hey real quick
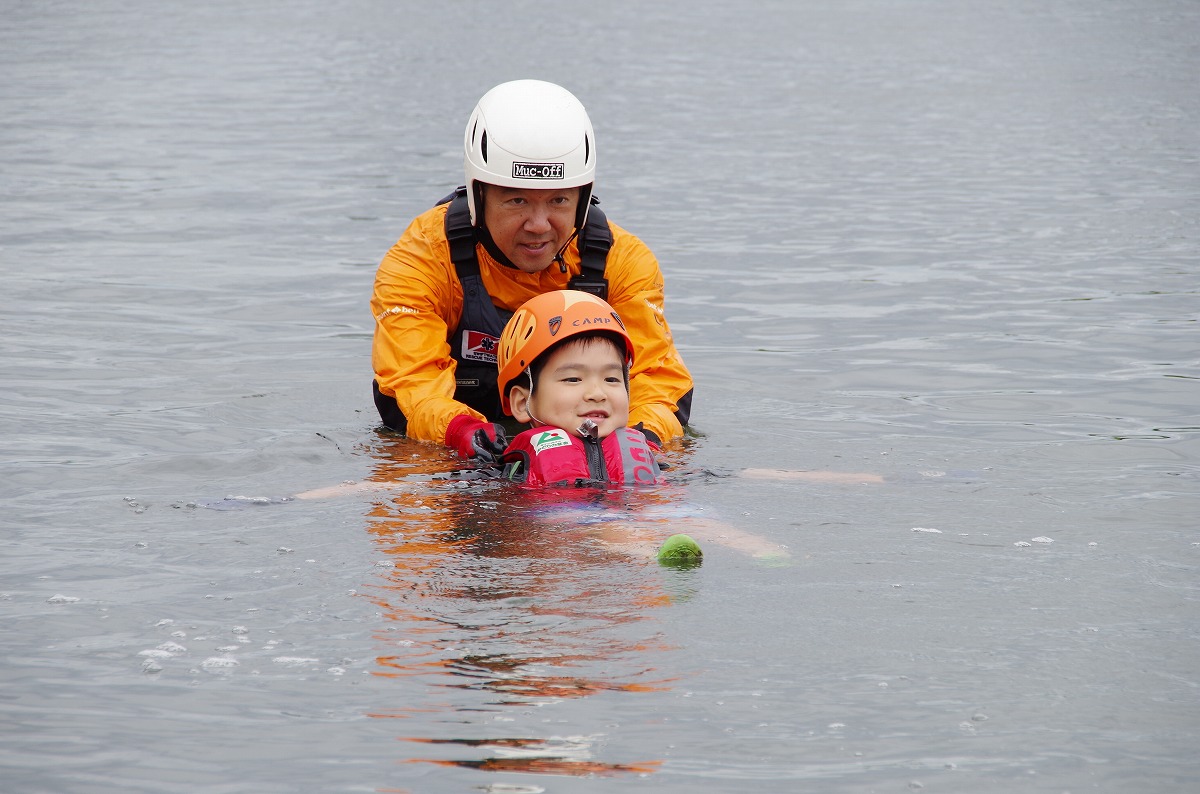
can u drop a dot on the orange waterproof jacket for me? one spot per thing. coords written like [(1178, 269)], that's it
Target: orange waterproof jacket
[(418, 301)]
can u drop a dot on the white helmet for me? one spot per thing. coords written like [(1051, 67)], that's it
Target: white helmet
[(530, 134)]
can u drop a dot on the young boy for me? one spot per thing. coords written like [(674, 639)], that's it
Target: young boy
[(564, 361)]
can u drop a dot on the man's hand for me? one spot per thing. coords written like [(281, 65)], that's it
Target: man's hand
[(650, 435), (470, 438), (655, 445)]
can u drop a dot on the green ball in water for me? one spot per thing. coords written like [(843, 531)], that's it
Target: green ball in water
[(680, 550)]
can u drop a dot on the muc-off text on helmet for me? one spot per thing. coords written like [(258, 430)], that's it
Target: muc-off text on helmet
[(539, 171)]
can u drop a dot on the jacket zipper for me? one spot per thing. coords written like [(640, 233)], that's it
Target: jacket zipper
[(595, 459)]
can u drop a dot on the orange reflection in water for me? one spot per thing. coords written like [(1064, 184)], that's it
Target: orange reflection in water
[(496, 597), (550, 757)]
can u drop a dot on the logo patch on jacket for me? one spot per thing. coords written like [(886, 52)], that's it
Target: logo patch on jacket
[(550, 439), (478, 346)]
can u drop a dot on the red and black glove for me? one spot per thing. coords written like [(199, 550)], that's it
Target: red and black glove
[(470, 438)]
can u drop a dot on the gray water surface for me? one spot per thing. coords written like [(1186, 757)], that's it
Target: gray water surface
[(953, 245)]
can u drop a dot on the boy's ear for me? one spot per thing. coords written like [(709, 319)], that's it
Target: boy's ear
[(518, 401)]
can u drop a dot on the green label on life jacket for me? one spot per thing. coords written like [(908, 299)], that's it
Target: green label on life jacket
[(550, 439)]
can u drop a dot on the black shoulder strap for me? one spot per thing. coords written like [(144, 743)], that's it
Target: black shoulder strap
[(460, 233), (594, 243)]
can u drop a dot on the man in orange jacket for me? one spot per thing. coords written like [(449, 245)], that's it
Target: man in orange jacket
[(525, 223)]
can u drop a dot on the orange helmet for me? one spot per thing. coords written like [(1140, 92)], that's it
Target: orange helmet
[(547, 319)]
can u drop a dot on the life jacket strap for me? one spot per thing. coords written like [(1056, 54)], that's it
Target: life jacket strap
[(460, 233), (594, 243)]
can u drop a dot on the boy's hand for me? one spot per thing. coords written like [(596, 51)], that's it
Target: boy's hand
[(470, 438)]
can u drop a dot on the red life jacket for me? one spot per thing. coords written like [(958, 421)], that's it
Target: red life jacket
[(552, 456)]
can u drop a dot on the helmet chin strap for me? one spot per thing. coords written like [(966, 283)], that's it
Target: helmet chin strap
[(490, 246), (562, 265), (529, 403)]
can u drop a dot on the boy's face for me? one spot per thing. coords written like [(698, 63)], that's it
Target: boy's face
[(583, 380)]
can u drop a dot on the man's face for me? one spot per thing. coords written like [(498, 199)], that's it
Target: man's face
[(529, 226)]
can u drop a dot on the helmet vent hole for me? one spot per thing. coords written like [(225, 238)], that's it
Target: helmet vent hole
[(587, 148), (483, 146), (474, 129)]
